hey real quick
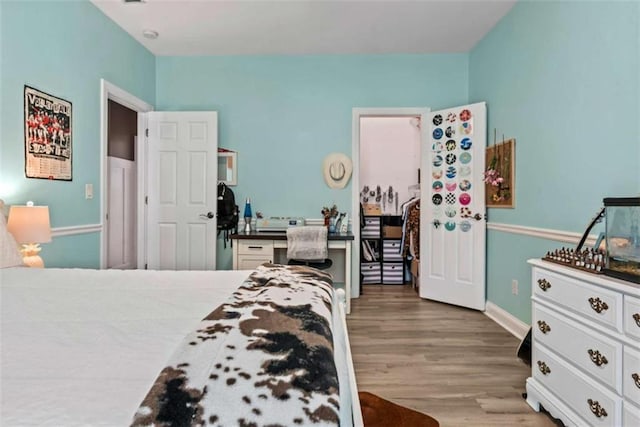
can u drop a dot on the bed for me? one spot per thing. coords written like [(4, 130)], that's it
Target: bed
[(83, 347)]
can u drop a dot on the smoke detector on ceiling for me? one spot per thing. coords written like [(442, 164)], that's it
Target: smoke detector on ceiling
[(150, 34)]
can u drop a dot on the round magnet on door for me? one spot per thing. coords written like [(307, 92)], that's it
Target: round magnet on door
[(465, 185), (465, 226), (450, 211), (451, 117), (450, 158), (449, 132), (450, 198), (436, 199), (465, 144), (465, 171), (437, 120), (437, 160), (465, 158), (437, 133), (437, 174), (465, 199), (450, 225), (451, 172), (451, 186), (437, 211), (436, 223), (466, 128), (451, 145), (437, 147), (465, 115), (437, 186)]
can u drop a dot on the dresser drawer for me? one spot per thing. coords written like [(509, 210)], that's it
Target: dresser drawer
[(255, 247), (630, 416), (391, 250), (599, 304), (631, 375), (590, 351), (588, 399), (632, 316)]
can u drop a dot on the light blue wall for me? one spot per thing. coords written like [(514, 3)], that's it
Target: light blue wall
[(563, 79), (64, 48), (284, 114)]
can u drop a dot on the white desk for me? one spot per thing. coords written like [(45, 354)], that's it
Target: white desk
[(253, 249)]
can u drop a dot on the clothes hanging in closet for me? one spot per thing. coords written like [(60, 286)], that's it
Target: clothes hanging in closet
[(411, 232)]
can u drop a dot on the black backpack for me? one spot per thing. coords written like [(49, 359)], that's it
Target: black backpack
[(228, 212)]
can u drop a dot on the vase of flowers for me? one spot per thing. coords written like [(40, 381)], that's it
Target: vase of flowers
[(328, 213)]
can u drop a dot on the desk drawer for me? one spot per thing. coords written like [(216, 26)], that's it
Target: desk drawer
[(255, 247), (601, 305)]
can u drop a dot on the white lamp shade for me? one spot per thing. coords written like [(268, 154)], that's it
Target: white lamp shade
[(29, 224)]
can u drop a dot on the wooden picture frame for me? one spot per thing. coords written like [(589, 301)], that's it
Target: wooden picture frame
[(501, 157)]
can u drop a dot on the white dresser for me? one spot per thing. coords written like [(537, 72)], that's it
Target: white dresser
[(585, 347)]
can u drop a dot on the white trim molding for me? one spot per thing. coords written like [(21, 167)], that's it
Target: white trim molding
[(542, 233), (76, 229), (508, 321)]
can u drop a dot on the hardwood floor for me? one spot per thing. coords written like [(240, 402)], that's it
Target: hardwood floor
[(452, 363)]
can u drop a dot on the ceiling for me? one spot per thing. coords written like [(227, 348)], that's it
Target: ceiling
[(294, 27)]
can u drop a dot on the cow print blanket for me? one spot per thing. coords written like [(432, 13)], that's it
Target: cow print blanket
[(263, 358)]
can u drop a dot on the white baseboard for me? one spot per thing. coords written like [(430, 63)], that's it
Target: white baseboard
[(505, 319)]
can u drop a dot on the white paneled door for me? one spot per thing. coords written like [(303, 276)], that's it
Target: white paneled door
[(452, 207), (182, 190)]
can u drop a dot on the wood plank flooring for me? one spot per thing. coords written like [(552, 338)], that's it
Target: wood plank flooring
[(452, 363)]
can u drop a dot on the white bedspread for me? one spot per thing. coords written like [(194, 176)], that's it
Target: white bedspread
[(82, 347)]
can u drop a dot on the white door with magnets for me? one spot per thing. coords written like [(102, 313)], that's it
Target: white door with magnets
[(453, 211), (182, 190)]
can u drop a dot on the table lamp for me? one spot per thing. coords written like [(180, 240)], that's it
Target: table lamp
[(29, 225)]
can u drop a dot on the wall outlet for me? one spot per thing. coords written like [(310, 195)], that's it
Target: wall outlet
[(514, 287)]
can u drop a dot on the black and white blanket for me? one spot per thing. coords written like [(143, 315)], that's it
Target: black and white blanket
[(264, 358)]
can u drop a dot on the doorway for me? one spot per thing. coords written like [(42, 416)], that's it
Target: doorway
[(121, 233), (413, 115), (129, 249)]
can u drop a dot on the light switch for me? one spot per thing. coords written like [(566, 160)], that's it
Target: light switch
[(88, 191)]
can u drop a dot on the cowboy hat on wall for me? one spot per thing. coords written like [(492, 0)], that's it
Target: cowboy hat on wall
[(337, 168)]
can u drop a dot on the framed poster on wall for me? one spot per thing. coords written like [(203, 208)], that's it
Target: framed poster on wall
[(47, 136)]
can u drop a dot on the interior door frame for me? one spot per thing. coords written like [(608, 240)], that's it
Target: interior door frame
[(109, 91), (357, 114)]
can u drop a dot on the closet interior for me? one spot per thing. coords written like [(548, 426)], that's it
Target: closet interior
[(389, 199)]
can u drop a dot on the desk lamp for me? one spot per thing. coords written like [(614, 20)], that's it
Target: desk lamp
[(29, 225)]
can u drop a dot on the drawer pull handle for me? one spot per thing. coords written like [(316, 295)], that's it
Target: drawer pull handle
[(597, 410), (597, 358), (636, 317), (636, 379), (598, 305), (544, 284), (544, 328), (543, 368), (255, 247)]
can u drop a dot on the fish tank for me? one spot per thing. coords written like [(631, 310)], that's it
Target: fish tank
[(622, 234)]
